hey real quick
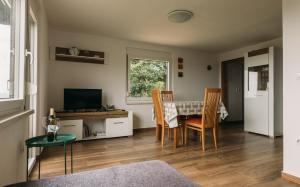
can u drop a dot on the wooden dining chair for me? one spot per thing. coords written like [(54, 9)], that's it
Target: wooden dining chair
[(161, 124), (209, 117), (167, 96)]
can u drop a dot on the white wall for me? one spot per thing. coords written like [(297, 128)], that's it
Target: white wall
[(237, 53), (112, 77), (291, 87), (43, 59), (13, 154), (14, 134)]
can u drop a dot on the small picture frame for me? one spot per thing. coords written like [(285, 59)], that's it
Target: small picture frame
[(180, 74), (180, 60), (180, 66)]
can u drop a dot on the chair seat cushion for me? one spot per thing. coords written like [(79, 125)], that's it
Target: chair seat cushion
[(194, 122)]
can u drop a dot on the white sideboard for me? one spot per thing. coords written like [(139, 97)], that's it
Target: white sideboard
[(72, 126), (101, 124)]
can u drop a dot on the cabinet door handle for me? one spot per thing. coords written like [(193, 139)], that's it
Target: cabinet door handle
[(68, 125), (118, 123)]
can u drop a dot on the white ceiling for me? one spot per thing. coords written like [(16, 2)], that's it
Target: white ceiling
[(217, 25)]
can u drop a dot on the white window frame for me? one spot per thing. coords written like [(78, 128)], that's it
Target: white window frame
[(17, 102), (135, 53)]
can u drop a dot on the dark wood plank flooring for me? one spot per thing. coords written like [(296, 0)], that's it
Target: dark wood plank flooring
[(243, 159)]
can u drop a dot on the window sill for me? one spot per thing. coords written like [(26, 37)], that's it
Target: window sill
[(10, 106), (132, 101), (4, 120)]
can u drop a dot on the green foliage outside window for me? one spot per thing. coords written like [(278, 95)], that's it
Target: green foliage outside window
[(146, 75)]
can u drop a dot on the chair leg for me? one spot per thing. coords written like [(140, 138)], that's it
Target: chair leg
[(162, 136), (169, 134), (182, 134), (214, 132), (203, 139), (185, 135), (175, 137), (217, 132), (158, 132), (200, 134)]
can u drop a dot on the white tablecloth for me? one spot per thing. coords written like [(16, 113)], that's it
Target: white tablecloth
[(186, 108)]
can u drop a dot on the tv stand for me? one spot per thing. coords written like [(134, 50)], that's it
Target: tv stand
[(103, 109), (95, 114), (115, 123)]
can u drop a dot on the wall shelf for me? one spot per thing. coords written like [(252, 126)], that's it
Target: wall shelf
[(85, 56)]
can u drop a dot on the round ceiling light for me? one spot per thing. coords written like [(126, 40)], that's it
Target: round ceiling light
[(180, 16)]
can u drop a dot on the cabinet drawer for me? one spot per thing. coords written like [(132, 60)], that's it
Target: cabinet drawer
[(72, 126), (116, 127)]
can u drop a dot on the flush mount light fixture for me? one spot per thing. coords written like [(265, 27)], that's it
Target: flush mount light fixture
[(180, 16)]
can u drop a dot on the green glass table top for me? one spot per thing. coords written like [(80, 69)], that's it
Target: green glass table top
[(41, 141)]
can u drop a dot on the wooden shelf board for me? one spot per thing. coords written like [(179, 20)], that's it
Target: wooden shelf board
[(84, 56), (82, 115), (79, 57), (93, 137)]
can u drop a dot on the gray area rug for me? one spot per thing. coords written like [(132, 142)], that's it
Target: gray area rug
[(144, 174)]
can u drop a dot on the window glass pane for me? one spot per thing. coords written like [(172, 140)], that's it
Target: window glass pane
[(258, 77), (6, 46), (145, 75)]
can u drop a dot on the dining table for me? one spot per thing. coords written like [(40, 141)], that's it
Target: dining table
[(187, 108)]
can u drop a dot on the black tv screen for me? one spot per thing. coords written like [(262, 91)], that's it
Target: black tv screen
[(76, 99)]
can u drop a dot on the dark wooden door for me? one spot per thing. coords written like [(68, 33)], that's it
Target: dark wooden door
[(233, 86)]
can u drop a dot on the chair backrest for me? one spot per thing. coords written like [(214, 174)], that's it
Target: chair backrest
[(157, 102), (210, 108), (167, 96)]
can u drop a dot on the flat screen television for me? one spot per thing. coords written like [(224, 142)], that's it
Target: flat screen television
[(82, 99)]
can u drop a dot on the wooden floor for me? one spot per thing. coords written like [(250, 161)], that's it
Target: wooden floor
[(243, 159)]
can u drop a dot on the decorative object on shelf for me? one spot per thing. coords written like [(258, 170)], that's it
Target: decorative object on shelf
[(74, 54), (209, 67), (180, 66), (74, 51), (110, 107)]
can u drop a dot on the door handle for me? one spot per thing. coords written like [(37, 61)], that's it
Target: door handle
[(8, 85), (29, 55), (118, 123)]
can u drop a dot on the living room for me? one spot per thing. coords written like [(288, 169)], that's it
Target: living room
[(193, 39)]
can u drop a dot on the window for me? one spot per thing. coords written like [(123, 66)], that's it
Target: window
[(12, 32), (258, 78), (147, 70)]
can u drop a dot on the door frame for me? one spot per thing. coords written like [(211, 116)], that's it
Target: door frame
[(33, 58), (224, 84)]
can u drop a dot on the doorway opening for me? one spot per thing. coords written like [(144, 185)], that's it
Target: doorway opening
[(233, 90)]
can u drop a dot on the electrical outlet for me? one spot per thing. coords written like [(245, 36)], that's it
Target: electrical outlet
[(298, 76)]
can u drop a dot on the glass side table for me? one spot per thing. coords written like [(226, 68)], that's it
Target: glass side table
[(41, 141)]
